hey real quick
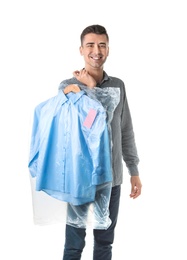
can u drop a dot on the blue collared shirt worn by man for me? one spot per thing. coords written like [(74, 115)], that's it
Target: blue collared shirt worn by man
[(70, 151)]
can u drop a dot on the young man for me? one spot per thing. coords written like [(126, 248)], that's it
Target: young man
[(95, 50)]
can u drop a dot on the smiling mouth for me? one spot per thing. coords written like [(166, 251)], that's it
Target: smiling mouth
[(96, 58)]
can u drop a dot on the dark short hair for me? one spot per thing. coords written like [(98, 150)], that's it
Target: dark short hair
[(95, 28)]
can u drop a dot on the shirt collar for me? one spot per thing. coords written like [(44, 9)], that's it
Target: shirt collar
[(105, 78), (71, 96)]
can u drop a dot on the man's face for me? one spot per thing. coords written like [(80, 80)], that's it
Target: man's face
[(95, 50)]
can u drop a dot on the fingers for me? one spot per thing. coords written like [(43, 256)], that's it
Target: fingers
[(135, 192), (79, 72), (84, 77), (76, 73), (136, 187)]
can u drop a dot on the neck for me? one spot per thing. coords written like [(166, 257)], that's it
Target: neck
[(97, 74)]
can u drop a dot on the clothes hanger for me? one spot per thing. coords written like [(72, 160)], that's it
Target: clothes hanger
[(72, 88)]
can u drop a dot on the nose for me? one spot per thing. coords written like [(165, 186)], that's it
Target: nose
[(96, 48)]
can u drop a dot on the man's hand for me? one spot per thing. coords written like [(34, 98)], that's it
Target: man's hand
[(136, 187), (84, 77)]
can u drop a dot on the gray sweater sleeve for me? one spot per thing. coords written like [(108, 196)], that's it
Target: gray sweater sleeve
[(129, 150)]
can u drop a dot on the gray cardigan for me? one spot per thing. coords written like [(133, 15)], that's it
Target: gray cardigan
[(123, 141)]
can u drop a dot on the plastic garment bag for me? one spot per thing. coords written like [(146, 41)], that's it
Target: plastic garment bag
[(93, 212), (96, 213), (46, 209)]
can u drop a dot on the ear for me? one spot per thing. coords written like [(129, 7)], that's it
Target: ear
[(108, 52), (81, 51)]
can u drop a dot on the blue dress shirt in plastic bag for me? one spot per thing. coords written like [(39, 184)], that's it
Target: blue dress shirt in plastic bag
[(70, 150)]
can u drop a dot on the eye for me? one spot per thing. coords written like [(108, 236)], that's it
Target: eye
[(90, 45), (102, 45)]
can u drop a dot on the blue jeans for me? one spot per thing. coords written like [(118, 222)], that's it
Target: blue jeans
[(103, 239)]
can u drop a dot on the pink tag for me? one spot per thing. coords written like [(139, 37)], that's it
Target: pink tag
[(90, 118)]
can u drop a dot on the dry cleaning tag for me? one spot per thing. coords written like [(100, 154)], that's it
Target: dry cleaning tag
[(90, 118)]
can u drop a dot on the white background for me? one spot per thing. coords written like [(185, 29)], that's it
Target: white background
[(39, 47)]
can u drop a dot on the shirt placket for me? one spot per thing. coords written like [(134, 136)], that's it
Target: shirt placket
[(65, 141)]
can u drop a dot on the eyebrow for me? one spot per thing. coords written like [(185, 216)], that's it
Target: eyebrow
[(94, 43)]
